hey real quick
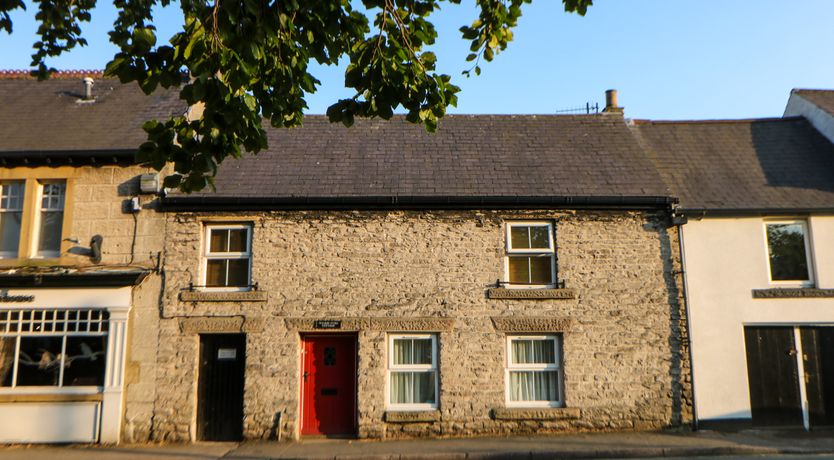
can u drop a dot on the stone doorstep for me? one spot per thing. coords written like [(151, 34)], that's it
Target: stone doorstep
[(392, 416), (544, 413)]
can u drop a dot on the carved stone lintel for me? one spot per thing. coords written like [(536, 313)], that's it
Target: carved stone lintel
[(504, 293), (223, 296), (211, 324), (531, 324), (412, 417), (792, 293), (546, 413), (376, 324)]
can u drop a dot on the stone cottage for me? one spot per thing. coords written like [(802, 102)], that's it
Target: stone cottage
[(80, 248), (509, 274)]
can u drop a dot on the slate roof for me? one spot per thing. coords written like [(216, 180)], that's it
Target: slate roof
[(824, 99), (40, 118), (469, 156), (761, 164)]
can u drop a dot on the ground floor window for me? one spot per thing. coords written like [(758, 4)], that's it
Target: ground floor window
[(52, 347), (533, 372), (412, 371)]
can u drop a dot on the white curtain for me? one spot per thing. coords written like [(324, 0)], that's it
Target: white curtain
[(412, 351), (533, 352), (413, 387), (533, 386)]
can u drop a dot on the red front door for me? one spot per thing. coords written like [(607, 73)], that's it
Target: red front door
[(328, 385)]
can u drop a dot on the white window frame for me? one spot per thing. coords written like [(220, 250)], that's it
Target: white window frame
[(36, 220), (810, 282), (557, 366), (433, 367), (530, 252), (208, 255), (19, 335), (8, 254)]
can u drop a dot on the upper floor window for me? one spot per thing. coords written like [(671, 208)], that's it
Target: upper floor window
[(789, 252), (37, 205), (228, 255), (50, 218), (11, 216), (531, 257)]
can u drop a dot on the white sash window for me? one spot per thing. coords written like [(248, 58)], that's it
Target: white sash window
[(412, 371), (533, 373)]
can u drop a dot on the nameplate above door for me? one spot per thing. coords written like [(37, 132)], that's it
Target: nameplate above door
[(327, 324)]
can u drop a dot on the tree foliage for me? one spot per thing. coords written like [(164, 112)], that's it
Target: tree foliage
[(248, 61)]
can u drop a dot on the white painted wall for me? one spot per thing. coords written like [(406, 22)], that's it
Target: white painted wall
[(726, 258), (820, 119)]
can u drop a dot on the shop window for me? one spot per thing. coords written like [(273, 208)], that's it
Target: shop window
[(53, 347), (533, 373), (531, 258), (789, 252), (228, 256), (412, 371)]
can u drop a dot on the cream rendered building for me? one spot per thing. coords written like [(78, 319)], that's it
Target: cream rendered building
[(757, 197)]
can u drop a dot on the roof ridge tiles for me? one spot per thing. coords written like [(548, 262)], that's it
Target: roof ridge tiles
[(715, 121), (25, 74)]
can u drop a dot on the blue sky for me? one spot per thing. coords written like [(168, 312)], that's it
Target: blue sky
[(669, 59)]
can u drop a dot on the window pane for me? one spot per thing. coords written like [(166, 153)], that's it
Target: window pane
[(11, 195), (239, 272), (412, 351), (40, 361), (7, 346), (519, 269), (413, 387), (237, 240), (85, 361), (219, 241), (216, 272), (541, 270), (520, 237), (540, 237), (534, 386), (49, 236), (786, 246), (10, 231), (533, 352)]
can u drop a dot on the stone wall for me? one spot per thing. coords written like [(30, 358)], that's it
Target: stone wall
[(624, 343), (99, 196)]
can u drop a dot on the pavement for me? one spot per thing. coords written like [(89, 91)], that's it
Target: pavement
[(756, 444)]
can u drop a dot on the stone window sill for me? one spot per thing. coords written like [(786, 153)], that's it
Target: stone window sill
[(532, 294), (792, 293), (223, 296), (543, 413), (412, 416)]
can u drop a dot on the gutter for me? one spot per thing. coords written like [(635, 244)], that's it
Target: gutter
[(215, 203), (682, 248), (71, 157), (698, 213)]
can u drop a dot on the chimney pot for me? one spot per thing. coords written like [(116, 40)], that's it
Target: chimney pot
[(88, 89), (611, 102)]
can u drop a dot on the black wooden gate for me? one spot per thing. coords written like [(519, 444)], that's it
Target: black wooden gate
[(773, 376), (818, 361), (220, 388)]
